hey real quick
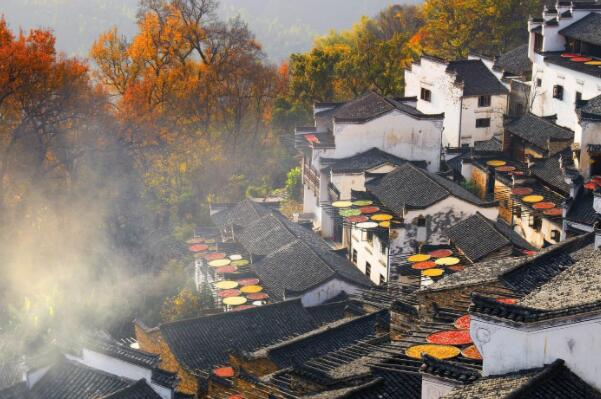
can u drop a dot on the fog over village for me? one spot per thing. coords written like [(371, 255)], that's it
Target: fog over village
[(282, 199)]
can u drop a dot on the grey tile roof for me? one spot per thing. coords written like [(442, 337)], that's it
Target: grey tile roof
[(477, 237), (365, 161), (592, 109), (492, 145), (557, 59), (582, 210), (522, 274), (327, 339), (364, 108), (241, 214), (579, 285), (476, 78), (139, 390), (203, 343), (552, 381), (538, 131), (586, 29), (273, 231), (515, 62), (70, 380), (298, 267), (110, 347), (548, 171), (17, 391), (413, 188), (372, 105)]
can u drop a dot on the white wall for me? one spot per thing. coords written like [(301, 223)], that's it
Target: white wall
[(543, 103), (345, 182), (435, 388), (441, 216), (396, 133), (535, 237), (460, 112), (326, 291), (506, 348), (370, 253), (118, 367), (471, 112)]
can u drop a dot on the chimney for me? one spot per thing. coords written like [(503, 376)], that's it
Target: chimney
[(597, 208), (571, 177)]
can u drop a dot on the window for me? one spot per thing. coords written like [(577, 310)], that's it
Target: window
[(519, 109), (383, 248), (578, 97), (426, 95), (558, 92), (354, 256), (421, 221), (484, 101), (555, 235), (536, 222), (367, 269), (538, 42), (370, 237), (539, 82), (483, 122)]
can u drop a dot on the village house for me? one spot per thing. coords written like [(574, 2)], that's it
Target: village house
[(441, 380), (480, 239), (98, 367), (471, 97), (424, 206), (352, 132), (564, 47), (194, 348), (290, 260)]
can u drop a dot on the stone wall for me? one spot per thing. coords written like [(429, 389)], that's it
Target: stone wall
[(150, 340)]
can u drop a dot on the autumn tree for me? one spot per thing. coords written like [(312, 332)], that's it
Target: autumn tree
[(43, 99), (370, 56), (192, 93), (453, 28), (185, 305)]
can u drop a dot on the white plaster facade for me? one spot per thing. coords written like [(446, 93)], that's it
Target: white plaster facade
[(120, 368), (508, 348), (435, 388), (396, 132), (439, 217), (545, 76), (328, 290), (461, 112)]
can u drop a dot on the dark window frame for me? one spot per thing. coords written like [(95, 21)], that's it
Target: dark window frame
[(368, 269), (484, 101), (558, 92), (354, 256), (482, 123), (425, 94)]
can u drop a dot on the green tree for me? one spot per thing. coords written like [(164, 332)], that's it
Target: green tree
[(452, 28)]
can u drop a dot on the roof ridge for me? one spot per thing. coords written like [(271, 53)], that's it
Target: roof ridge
[(231, 314), (549, 250), (326, 328), (546, 372)]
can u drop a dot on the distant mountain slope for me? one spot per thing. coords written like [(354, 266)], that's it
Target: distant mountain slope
[(283, 26)]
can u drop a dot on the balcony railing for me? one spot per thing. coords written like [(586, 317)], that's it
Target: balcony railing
[(311, 178)]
